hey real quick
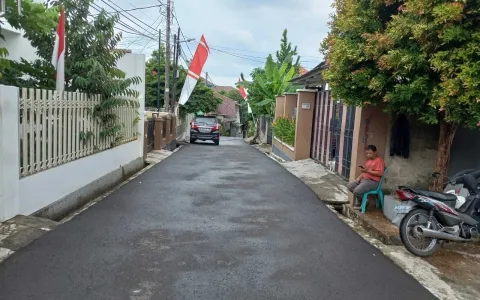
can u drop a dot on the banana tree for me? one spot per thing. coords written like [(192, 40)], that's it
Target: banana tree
[(274, 82)]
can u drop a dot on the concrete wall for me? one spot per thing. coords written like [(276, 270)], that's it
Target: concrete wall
[(371, 128), (304, 120), (282, 150), (290, 105), (133, 64), (17, 46), (465, 151), (280, 106), (417, 169)]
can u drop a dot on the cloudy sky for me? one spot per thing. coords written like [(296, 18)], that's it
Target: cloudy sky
[(240, 33)]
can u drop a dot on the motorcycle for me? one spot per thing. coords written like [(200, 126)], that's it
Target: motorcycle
[(428, 219)]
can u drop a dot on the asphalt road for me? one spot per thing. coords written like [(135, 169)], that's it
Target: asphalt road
[(207, 223)]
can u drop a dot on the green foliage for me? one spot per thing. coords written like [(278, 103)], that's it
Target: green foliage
[(224, 131), (416, 56), (284, 129), (419, 57), (35, 17), (272, 80), (251, 128), (202, 98), (285, 53), (90, 60)]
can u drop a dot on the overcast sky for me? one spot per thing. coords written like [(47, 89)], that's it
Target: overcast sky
[(240, 33)]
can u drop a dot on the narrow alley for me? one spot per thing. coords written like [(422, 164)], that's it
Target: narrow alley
[(207, 223)]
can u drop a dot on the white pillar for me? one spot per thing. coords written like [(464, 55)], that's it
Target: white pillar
[(9, 152)]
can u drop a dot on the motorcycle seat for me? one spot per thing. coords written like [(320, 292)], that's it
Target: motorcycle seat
[(467, 219), (439, 196)]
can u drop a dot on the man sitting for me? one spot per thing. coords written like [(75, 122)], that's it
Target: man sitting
[(372, 172)]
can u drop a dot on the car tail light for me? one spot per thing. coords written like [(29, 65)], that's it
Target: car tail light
[(405, 196)]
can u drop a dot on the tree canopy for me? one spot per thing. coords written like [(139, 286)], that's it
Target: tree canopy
[(202, 98), (90, 60), (420, 57), (273, 79)]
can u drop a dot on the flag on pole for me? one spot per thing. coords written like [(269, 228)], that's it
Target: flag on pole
[(244, 95), (242, 91), (58, 56), (195, 70)]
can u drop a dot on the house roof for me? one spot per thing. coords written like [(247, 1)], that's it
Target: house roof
[(219, 88), (224, 98), (312, 77), (302, 71)]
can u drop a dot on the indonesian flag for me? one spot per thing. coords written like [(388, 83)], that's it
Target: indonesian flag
[(195, 70), (243, 92), (58, 57)]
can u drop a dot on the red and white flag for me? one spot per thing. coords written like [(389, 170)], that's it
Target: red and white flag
[(195, 70), (58, 57), (244, 95), (242, 91)]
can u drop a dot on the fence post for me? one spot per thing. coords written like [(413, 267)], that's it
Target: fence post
[(158, 136), (145, 139), (9, 152)]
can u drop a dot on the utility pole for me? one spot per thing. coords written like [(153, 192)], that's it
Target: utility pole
[(158, 68), (175, 68), (167, 58)]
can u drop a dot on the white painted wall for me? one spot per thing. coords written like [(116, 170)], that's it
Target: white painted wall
[(44, 188), (9, 152), (17, 46), (133, 65)]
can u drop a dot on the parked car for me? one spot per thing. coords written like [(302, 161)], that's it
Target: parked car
[(205, 128)]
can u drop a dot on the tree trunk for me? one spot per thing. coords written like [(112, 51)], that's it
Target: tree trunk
[(447, 133)]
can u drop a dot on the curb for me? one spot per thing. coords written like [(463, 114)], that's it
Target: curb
[(359, 218)]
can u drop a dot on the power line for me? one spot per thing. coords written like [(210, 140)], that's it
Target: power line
[(137, 8), (133, 30), (128, 14), (181, 32), (99, 9)]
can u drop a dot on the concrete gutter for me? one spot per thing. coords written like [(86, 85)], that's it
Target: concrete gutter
[(328, 186)]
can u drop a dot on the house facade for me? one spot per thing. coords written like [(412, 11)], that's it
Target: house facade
[(339, 135)]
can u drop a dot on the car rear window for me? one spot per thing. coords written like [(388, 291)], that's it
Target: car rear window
[(205, 121)]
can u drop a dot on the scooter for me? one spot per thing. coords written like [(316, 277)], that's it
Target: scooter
[(428, 218)]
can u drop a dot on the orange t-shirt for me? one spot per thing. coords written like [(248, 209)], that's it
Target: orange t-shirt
[(377, 164)]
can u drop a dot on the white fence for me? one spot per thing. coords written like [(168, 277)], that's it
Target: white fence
[(58, 128), (51, 157)]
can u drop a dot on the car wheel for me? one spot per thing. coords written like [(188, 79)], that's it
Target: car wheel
[(217, 142), (192, 141)]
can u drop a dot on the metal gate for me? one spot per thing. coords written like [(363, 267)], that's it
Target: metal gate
[(347, 142), (327, 136), (320, 126), (335, 132), (150, 134)]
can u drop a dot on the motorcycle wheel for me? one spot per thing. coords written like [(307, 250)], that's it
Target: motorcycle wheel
[(418, 245)]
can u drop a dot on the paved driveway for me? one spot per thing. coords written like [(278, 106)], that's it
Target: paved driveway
[(207, 223)]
